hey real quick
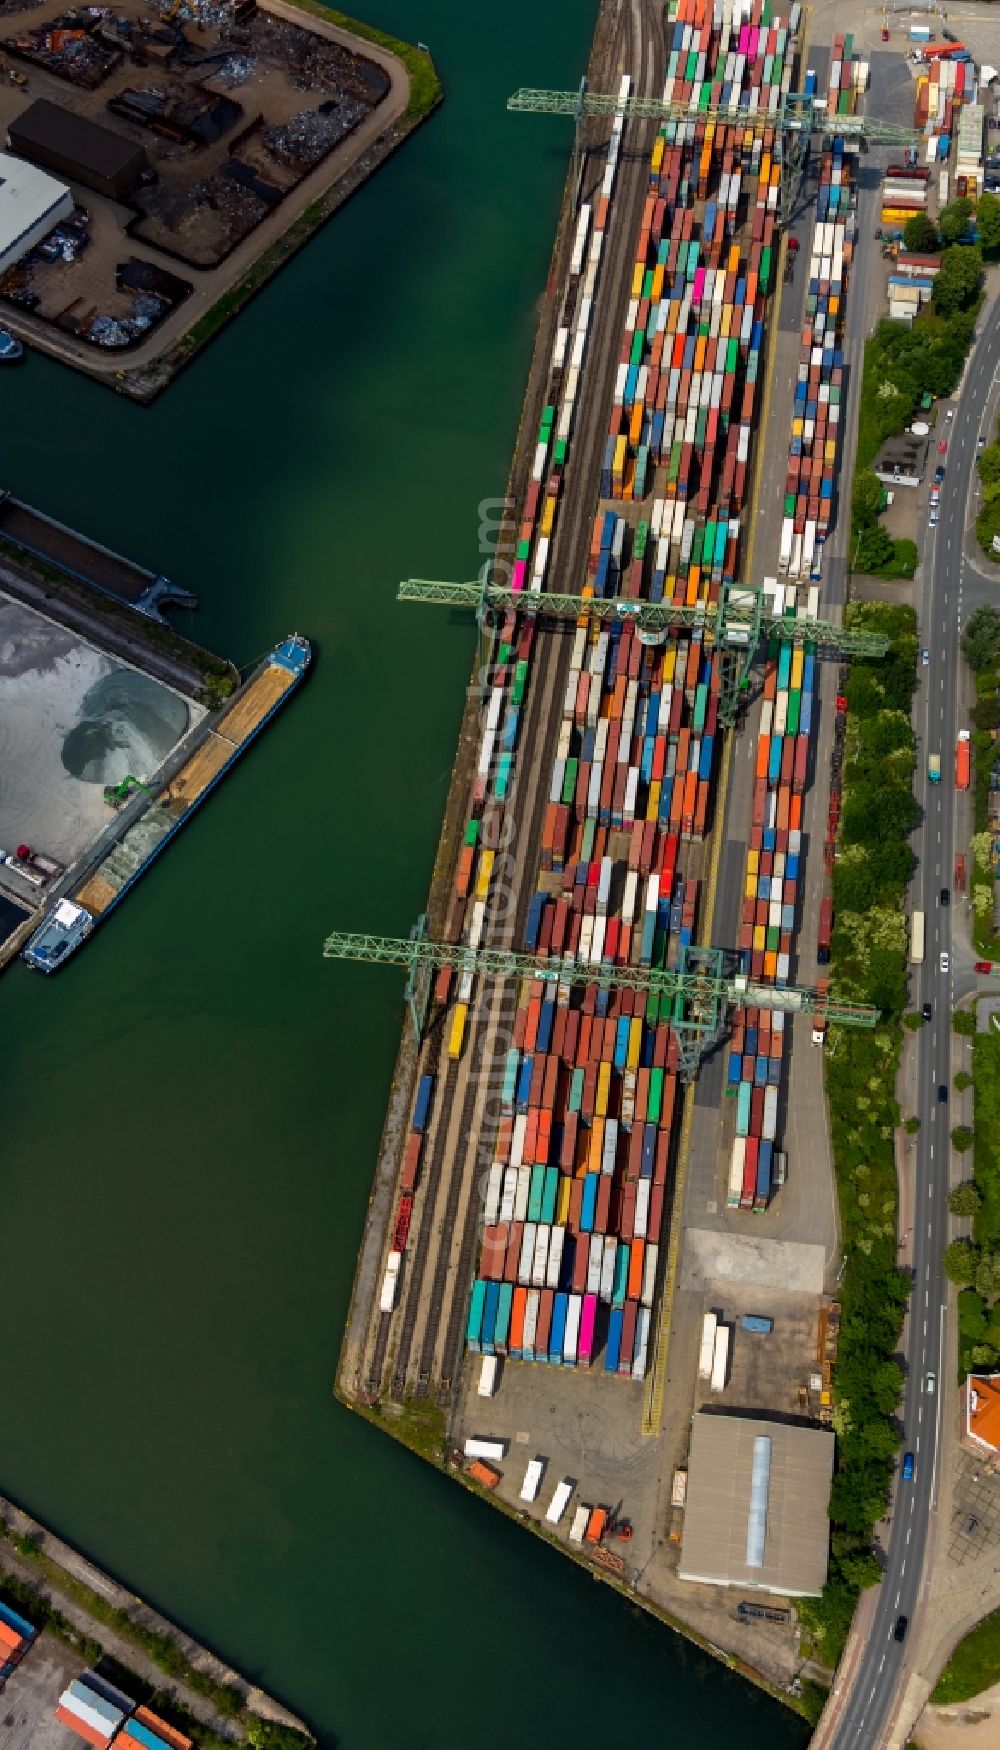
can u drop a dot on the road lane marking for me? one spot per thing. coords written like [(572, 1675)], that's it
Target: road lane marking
[(909, 1532)]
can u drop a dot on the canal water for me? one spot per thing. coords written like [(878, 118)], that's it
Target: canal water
[(191, 1111)]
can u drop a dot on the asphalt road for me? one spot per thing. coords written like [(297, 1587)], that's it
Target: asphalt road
[(883, 1670)]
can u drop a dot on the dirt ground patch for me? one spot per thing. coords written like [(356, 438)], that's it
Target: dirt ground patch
[(970, 1725)]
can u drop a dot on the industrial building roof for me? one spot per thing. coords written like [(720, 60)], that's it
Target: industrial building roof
[(756, 1513), (27, 195), (970, 130), (103, 151), (983, 1409)]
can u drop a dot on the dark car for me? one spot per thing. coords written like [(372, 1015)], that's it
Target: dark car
[(938, 475), (945, 896), (943, 1094), (926, 1011), (900, 1629)]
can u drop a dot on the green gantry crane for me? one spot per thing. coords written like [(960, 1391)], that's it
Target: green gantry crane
[(695, 998), (798, 118), (736, 623)]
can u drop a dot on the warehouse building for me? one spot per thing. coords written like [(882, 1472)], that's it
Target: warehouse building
[(78, 149), (31, 204), (756, 1512)]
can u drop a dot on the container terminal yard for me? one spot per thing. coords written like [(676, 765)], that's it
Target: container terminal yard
[(576, 1241)]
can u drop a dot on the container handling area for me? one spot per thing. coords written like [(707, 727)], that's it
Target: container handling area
[(594, 1214)]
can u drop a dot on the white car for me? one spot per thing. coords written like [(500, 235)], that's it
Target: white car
[(925, 657), (944, 962), (932, 520), (931, 1384), (950, 413)]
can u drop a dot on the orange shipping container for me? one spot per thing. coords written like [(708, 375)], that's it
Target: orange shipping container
[(635, 1263), (517, 1318), (484, 1473), (596, 1525)]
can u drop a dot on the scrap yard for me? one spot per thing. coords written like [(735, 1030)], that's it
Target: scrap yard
[(598, 1210), (166, 150)]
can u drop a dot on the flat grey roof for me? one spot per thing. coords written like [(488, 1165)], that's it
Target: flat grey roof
[(718, 1520)]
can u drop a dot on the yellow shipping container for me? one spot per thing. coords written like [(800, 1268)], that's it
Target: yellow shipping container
[(603, 1090), (750, 887), (548, 515), (659, 273), (563, 1195), (621, 450), (653, 802), (658, 146), (759, 937), (457, 1033), (634, 1043), (753, 862), (638, 275), (798, 659), (485, 874)]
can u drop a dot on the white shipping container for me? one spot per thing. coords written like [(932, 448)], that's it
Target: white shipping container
[(522, 1194), (720, 1360), (649, 1264), (736, 1172), (531, 1319), (493, 1186), (527, 1252), (387, 1296), (488, 1376), (642, 1324), (559, 1503), (579, 1524), (595, 1261), (607, 1286), (572, 1337), (557, 1240), (476, 1448), (532, 1480), (642, 1208), (541, 1256)]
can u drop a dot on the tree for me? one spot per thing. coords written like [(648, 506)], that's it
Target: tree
[(988, 1275), (921, 235), (874, 549), (964, 1021), (981, 639), (866, 500), (861, 1570), (953, 221), (964, 1200), (963, 1080), (988, 223), (959, 1263), (913, 1021), (957, 283), (988, 464), (961, 1138), (982, 1355), (911, 1126)]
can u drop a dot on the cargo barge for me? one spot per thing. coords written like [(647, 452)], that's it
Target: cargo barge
[(86, 904)]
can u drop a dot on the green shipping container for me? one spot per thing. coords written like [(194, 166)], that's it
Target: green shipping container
[(471, 832), (654, 1104), (504, 764), (620, 1289), (576, 1090), (765, 269), (549, 1195), (790, 503), (772, 939), (700, 706), (794, 712), (569, 780), (647, 284), (522, 550), (474, 1326), (587, 841), (639, 544), (559, 453), (535, 1193), (519, 683), (638, 339), (732, 356), (504, 1304)]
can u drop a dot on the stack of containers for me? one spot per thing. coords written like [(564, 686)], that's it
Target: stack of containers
[(848, 76), (969, 167), (904, 193), (16, 1636), (93, 1709), (767, 918), (812, 458), (576, 1192), (948, 84), (147, 1729)]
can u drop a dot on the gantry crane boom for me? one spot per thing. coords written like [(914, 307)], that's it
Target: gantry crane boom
[(736, 623)]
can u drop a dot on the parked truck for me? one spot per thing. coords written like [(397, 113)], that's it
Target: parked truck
[(934, 768), (824, 931), (963, 760)]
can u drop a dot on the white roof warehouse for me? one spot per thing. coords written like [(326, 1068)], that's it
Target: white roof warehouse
[(756, 1511), (31, 204)]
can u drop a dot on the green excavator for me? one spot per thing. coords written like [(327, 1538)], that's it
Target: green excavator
[(116, 794)]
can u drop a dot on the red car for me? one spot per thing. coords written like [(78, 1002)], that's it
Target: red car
[(984, 966), (943, 447)]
